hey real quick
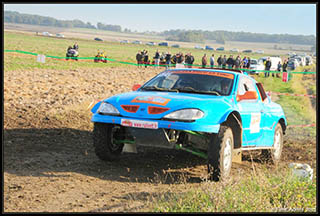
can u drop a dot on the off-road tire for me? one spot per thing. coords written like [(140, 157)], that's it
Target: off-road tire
[(103, 143), (220, 142), (274, 155)]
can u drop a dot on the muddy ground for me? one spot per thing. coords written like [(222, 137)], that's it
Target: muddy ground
[(49, 161)]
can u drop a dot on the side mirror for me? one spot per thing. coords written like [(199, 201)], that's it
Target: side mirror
[(135, 87), (248, 95)]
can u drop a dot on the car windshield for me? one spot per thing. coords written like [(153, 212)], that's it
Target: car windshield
[(253, 61), (197, 82)]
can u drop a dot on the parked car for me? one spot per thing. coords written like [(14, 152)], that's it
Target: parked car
[(234, 50), (301, 60), (274, 62), (163, 44), (247, 51), (98, 39), (198, 47), (215, 114), (254, 66), (151, 43), (209, 48), (220, 49), (176, 45), (136, 42), (124, 41), (46, 34), (259, 51), (293, 64), (60, 35)]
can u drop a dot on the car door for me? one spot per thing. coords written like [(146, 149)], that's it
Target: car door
[(250, 107), (268, 121)]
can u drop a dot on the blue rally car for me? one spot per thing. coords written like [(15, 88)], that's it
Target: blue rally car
[(213, 113)]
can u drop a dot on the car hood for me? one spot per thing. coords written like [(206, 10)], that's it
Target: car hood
[(211, 105)]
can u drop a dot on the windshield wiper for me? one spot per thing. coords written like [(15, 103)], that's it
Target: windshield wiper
[(155, 88), (192, 90)]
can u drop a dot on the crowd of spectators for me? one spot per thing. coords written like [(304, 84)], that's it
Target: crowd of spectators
[(180, 60)]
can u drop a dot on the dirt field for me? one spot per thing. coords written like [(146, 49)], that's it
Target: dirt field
[(49, 162)]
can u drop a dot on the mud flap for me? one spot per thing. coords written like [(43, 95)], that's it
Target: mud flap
[(237, 156), (130, 148)]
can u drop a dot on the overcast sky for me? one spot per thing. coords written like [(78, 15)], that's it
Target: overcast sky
[(297, 19)]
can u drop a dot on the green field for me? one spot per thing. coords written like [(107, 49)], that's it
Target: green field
[(87, 48)]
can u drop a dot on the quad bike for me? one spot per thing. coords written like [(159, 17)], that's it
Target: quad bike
[(73, 54), (100, 57)]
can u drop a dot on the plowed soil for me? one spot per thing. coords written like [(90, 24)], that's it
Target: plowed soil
[(49, 161)]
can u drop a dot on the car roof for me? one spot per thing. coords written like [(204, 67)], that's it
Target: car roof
[(231, 71)]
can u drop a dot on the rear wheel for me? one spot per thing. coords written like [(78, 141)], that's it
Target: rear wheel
[(220, 154), (104, 136), (274, 154)]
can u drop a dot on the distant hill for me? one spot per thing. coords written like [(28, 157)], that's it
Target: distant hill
[(175, 35)]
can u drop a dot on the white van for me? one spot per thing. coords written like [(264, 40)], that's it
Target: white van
[(274, 63)]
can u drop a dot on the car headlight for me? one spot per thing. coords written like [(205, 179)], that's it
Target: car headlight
[(106, 108), (185, 114)]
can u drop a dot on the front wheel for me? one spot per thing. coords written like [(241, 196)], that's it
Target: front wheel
[(220, 154), (274, 154), (104, 136)]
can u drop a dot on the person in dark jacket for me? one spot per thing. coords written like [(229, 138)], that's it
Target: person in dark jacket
[(267, 67), (248, 63), (76, 46), (139, 58), (191, 60), (168, 59), (224, 61), (204, 60), (284, 66), (237, 62), (230, 62), (219, 60), (187, 60), (157, 58), (279, 66), (146, 58)]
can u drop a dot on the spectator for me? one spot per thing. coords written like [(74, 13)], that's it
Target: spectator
[(157, 58), (179, 58), (219, 61), (249, 63), (75, 46), (244, 62), (204, 60), (237, 62), (139, 58), (145, 58), (168, 59), (224, 61), (212, 61), (230, 62), (191, 60), (187, 60), (267, 68), (278, 69), (284, 66)]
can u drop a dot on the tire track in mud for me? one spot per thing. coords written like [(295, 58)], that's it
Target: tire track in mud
[(49, 161)]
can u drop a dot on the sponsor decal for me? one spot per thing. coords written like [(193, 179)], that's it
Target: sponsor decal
[(255, 123), (219, 74), (139, 124), (151, 99)]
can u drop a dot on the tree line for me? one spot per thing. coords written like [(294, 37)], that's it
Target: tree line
[(198, 36)]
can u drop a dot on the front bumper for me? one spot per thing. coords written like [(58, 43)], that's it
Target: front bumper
[(176, 125)]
